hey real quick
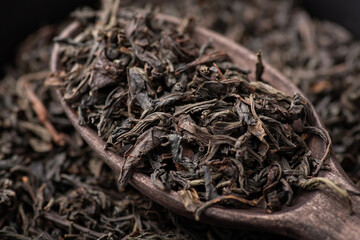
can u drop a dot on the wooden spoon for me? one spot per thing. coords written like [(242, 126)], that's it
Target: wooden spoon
[(313, 215)]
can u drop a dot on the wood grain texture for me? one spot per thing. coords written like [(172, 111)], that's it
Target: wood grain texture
[(313, 215)]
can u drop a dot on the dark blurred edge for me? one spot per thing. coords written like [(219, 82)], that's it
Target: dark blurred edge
[(19, 18), (343, 12)]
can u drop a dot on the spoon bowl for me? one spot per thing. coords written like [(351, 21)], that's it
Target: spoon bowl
[(312, 215)]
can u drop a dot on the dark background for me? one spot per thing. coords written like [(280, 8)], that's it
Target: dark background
[(344, 12), (19, 18)]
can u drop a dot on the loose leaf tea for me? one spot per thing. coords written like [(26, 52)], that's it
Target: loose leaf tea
[(322, 58), (327, 78), (54, 191), (184, 115)]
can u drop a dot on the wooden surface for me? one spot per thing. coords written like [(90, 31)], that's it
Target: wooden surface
[(313, 215)]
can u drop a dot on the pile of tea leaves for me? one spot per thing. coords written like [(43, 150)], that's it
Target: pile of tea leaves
[(322, 58), (29, 157), (186, 115), (53, 186)]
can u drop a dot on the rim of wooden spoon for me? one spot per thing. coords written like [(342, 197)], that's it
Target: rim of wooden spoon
[(253, 218)]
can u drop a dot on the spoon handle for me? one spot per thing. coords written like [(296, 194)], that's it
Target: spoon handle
[(326, 217)]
